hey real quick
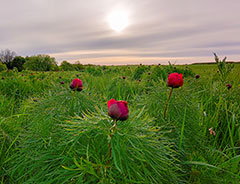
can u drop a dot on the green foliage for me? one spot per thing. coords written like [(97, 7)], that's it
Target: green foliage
[(94, 70), (66, 66), (40, 63), (3, 67), (159, 72), (15, 69), (18, 62), (78, 66), (224, 68), (139, 71), (186, 71), (134, 145)]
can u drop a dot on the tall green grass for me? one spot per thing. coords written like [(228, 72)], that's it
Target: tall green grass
[(50, 134)]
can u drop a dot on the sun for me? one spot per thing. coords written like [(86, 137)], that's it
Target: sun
[(118, 20)]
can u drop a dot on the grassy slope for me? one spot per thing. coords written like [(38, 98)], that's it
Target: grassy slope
[(49, 134)]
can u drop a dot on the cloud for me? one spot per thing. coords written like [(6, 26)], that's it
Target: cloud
[(158, 30)]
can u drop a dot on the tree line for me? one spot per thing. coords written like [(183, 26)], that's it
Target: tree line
[(9, 60)]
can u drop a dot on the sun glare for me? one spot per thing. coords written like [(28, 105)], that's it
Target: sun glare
[(118, 20)]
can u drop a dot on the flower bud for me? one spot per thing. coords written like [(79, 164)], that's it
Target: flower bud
[(175, 80), (197, 76), (229, 86), (76, 85), (118, 110)]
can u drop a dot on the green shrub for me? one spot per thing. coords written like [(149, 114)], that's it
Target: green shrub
[(3, 67), (78, 66), (15, 69), (17, 62), (40, 63), (66, 66)]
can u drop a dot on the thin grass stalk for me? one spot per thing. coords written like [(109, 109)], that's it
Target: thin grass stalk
[(182, 130), (112, 130), (167, 102)]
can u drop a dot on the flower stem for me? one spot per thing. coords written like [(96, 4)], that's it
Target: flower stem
[(112, 130), (166, 106)]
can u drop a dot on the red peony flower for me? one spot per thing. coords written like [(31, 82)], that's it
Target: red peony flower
[(175, 80), (76, 85), (118, 109)]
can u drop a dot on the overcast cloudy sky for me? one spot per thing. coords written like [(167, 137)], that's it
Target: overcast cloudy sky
[(158, 31)]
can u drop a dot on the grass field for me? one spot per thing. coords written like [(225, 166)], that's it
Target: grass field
[(51, 134)]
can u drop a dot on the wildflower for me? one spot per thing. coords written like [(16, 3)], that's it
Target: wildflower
[(211, 132), (61, 82), (76, 85), (197, 76), (123, 77), (175, 80), (149, 73), (118, 110), (229, 86)]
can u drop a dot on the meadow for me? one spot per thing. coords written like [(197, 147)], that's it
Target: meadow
[(52, 134)]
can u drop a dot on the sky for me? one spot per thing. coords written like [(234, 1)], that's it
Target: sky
[(158, 31)]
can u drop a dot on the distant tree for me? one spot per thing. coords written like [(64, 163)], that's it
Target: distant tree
[(17, 62), (6, 56), (66, 66), (3, 67), (40, 63), (78, 66)]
